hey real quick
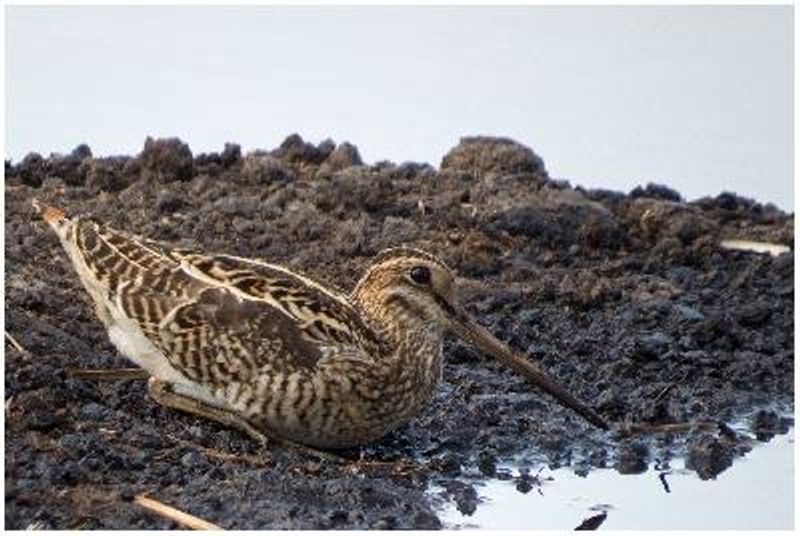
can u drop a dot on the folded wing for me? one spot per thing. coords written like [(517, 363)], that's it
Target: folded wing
[(221, 318)]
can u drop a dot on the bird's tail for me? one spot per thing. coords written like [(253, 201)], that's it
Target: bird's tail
[(55, 217)]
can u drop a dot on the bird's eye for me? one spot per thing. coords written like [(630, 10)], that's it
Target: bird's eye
[(420, 275)]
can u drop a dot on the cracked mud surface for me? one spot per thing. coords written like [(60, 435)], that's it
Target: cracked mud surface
[(627, 299)]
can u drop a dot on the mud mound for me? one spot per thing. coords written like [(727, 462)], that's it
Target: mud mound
[(627, 299)]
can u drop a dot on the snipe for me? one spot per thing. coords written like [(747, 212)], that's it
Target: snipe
[(269, 351)]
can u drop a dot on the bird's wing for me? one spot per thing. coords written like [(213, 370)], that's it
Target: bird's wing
[(221, 337), (218, 317), (322, 315)]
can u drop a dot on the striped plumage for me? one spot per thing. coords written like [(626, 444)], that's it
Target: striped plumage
[(278, 350)]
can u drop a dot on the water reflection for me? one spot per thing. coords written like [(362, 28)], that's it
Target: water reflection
[(757, 492)]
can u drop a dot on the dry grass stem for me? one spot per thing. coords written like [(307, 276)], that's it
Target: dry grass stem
[(182, 518), (632, 429), (21, 349), (133, 373)]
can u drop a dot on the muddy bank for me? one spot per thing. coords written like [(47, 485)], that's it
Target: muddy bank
[(626, 298)]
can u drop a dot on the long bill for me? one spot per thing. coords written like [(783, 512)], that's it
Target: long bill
[(469, 330)]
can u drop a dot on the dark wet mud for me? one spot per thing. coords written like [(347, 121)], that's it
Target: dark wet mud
[(627, 299)]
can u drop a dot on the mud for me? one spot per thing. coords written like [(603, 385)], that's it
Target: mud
[(626, 298)]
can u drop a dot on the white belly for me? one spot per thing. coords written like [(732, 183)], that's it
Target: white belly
[(131, 342)]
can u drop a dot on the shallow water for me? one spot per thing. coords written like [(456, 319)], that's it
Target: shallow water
[(757, 492)]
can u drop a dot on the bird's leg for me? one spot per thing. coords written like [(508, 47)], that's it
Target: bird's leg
[(165, 394)]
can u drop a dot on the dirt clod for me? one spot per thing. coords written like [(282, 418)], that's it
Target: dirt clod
[(166, 159), (709, 456), (482, 154)]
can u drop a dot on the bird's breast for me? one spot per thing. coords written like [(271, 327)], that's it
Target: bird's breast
[(347, 401)]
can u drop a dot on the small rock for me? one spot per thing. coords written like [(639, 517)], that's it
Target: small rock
[(401, 230), (42, 409), (231, 154), (76, 444), (730, 201), (533, 222), (709, 456), (652, 346), (598, 457), (632, 458), (294, 150), (192, 459), (407, 170), (680, 223), (464, 495), (93, 411), (426, 521), (450, 464), (139, 459), (385, 523), (327, 146), (69, 473), (168, 202), (69, 169), (166, 160), (81, 151), (102, 175), (481, 155), (208, 159), (264, 169), (127, 494), (783, 264), (217, 473), (524, 482), (150, 439), (689, 313), (656, 191), (754, 314), (766, 424), (344, 156), (236, 206), (243, 225), (32, 169), (337, 518), (487, 463)]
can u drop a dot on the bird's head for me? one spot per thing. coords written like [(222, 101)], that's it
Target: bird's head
[(410, 285), (410, 288)]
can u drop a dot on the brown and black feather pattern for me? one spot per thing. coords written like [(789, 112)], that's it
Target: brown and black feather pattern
[(218, 318), (287, 353)]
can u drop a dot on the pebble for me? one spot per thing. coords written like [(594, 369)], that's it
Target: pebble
[(168, 202), (632, 458), (652, 346), (689, 313)]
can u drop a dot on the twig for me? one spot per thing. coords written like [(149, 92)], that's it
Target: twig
[(668, 389), (664, 392), (133, 373), (631, 429), (21, 349), (173, 514)]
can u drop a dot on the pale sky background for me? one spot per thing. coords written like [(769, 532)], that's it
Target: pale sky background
[(699, 98)]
